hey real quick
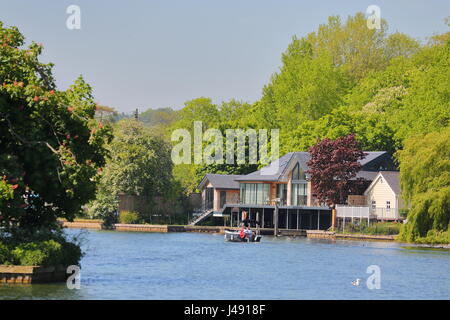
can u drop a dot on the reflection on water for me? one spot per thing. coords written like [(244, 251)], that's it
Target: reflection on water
[(41, 291), (422, 250), (122, 265)]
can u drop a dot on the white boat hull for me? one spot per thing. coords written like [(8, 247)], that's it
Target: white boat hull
[(234, 236)]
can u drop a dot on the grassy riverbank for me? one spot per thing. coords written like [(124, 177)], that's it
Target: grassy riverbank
[(380, 228)]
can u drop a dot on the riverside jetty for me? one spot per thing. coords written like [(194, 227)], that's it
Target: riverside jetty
[(315, 234)]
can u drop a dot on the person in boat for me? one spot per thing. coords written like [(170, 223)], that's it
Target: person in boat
[(248, 233), (242, 233)]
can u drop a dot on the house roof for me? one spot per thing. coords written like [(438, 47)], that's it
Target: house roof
[(220, 181), (392, 178), (266, 173), (371, 155), (368, 175), (303, 158)]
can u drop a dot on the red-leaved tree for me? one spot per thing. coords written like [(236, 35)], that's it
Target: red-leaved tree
[(332, 165)]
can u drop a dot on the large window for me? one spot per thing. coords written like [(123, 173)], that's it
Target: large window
[(254, 193), (299, 194), (282, 193), (298, 173), (209, 199), (299, 188)]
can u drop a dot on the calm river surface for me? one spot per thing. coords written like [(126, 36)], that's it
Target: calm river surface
[(131, 265)]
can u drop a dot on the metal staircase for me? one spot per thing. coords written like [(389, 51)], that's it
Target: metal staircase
[(201, 217)]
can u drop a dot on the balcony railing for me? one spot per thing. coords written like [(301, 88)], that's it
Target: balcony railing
[(366, 211), (385, 213), (352, 211), (301, 200)]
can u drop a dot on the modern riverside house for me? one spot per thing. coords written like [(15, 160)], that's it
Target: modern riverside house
[(287, 189), (217, 190)]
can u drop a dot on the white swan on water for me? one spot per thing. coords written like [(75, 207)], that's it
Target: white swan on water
[(356, 282)]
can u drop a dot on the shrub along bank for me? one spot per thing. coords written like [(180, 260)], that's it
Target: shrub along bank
[(380, 228), (42, 249), (435, 237)]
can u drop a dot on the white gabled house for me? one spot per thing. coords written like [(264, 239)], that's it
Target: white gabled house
[(383, 196)]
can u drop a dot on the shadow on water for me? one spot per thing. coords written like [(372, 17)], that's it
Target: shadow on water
[(426, 250)]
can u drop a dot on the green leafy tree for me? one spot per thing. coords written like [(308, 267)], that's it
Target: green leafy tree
[(51, 145), (159, 121), (199, 109), (400, 45), (353, 47), (340, 64), (425, 183), (139, 164), (411, 94), (306, 88), (154, 117), (105, 114), (372, 131), (426, 106)]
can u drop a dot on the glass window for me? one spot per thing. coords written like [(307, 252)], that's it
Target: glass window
[(209, 198), (266, 192), (374, 204), (282, 193), (299, 194), (298, 173), (259, 193), (254, 193)]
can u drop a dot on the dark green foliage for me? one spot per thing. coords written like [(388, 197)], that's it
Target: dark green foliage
[(42, 248), (139, 164), (51, 145), (5, 254)]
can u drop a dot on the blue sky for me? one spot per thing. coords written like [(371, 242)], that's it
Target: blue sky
[(141, 54)]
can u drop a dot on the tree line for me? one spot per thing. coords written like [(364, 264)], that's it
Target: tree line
[(388, 90)]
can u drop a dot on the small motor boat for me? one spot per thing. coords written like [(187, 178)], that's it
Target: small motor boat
[(234, 236)]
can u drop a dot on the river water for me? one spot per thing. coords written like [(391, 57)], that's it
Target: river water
[(131, 265)]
